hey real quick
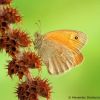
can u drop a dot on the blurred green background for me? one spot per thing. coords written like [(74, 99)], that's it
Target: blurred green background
[(83, 15)]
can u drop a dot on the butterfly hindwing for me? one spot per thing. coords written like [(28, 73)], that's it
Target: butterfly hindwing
[(58, 58), (78, 57)]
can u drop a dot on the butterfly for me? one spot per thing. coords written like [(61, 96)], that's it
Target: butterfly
[(60, 50)]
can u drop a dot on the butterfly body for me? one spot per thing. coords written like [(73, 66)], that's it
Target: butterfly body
[(60, 50)]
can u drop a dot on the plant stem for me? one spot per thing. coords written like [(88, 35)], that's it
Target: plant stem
[(28, 75)]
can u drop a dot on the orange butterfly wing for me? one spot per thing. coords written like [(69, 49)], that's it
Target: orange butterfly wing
[(67, 38)]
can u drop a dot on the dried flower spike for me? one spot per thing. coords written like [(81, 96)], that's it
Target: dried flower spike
[(11, 40), (5, 1)]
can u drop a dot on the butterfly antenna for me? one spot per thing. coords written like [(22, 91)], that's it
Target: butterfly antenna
[(39, 25)]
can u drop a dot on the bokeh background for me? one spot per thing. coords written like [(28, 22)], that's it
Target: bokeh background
[(83, 15)]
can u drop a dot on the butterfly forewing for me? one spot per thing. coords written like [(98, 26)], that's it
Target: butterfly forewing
[(68, 38), (57, 58)]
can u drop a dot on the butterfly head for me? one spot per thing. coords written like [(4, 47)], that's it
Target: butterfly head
[(38, 40)]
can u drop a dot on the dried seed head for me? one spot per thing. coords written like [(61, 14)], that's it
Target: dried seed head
[(15, 67), (29, 90), (43, 88), (33, 61), (4, 25), (10, 15), (9, 44), (11, 49), (12, 41), (20, 66), (21, 37), (2, 42), (5, 1)]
